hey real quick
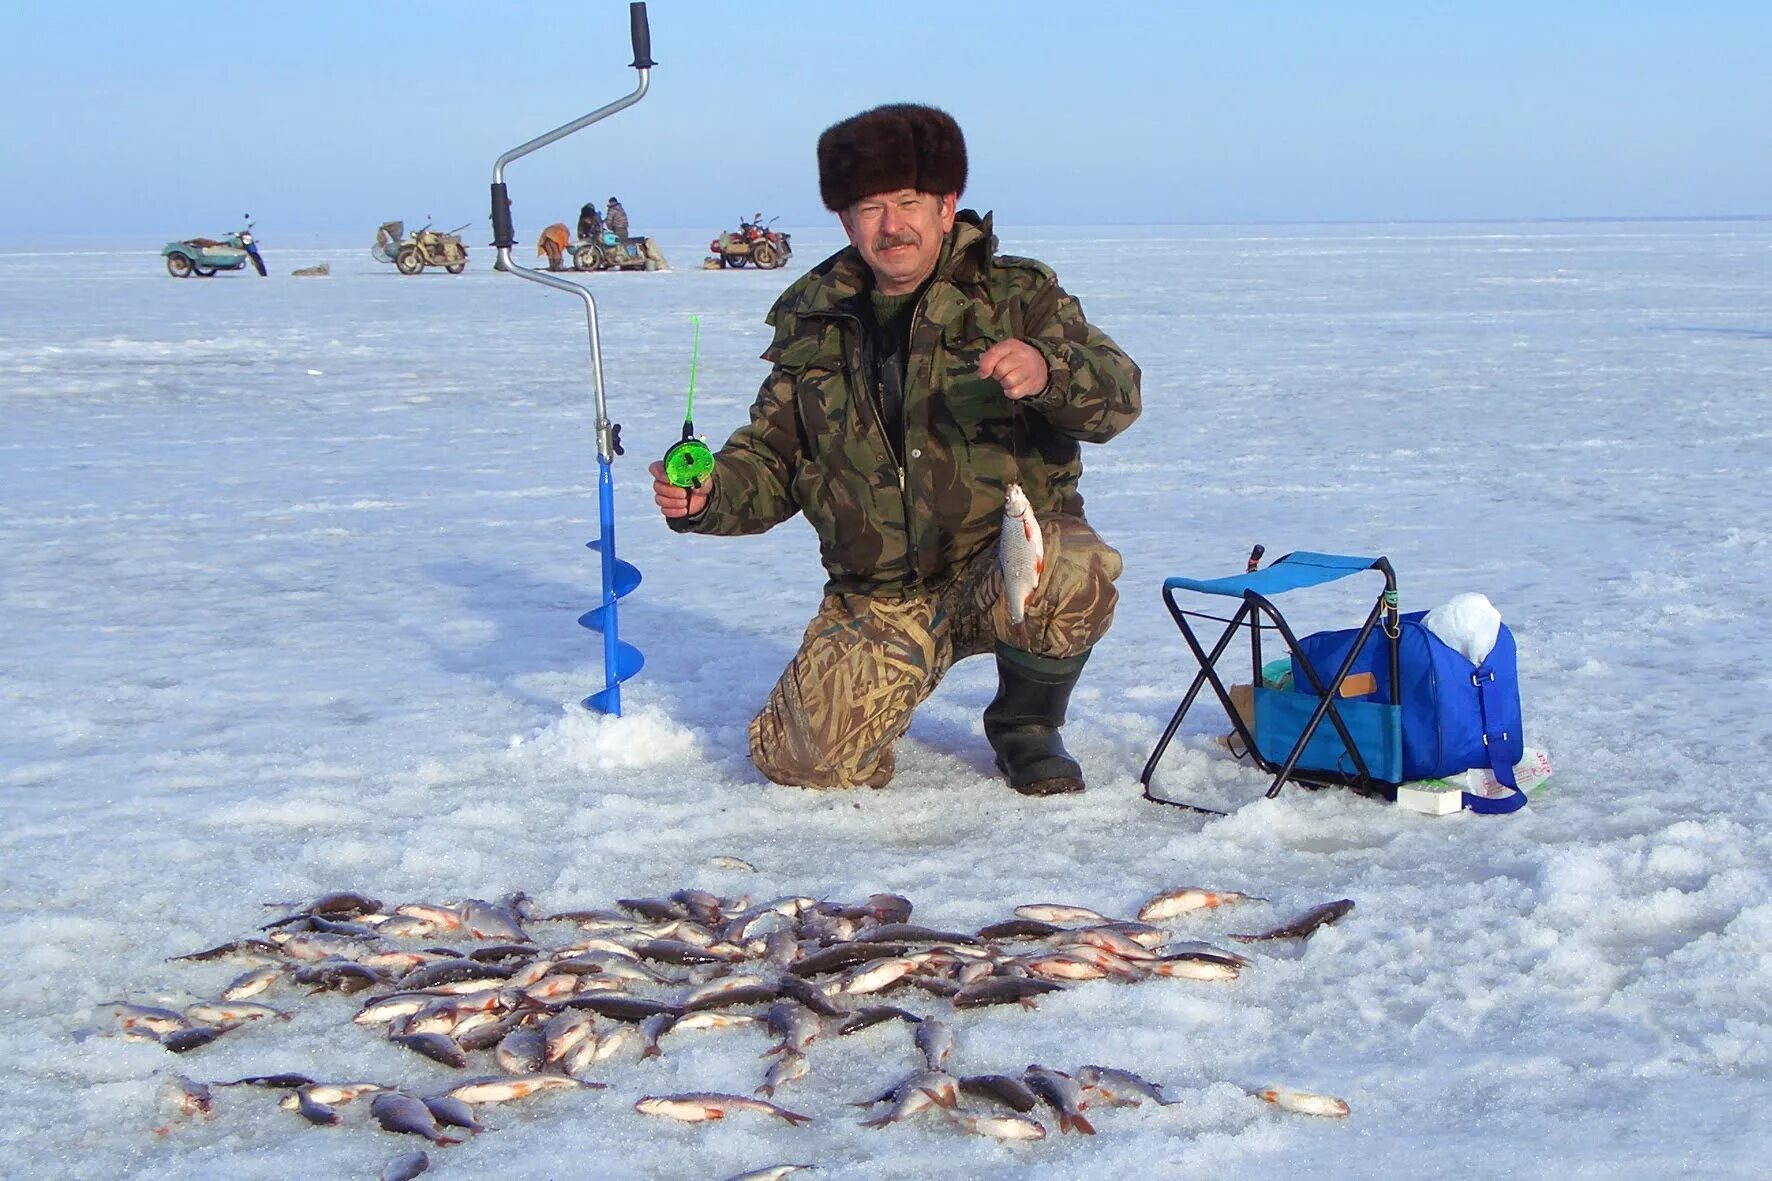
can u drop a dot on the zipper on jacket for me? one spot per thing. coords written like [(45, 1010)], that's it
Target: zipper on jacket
[(863, 373)]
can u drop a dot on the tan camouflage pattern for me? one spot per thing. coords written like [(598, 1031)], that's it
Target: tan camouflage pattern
[(867, 661), (898, 525)]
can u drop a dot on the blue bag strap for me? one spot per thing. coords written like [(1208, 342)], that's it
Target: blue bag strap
[(1495, 743)]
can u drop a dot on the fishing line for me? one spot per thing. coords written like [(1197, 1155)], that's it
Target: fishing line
[(688, 461)]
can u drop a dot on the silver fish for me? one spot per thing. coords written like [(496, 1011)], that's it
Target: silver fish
[(1058, 912), (398, 1112), (453, 1112), (1305, 924), (563, 1031), (1063, 1094), (495, 1089), (148, 1018), (521, 1051), (1058, 966), (1000, 1127), (252, 982), (436, 1046), (788, 1068), (919, 1092), (186, 1097), (1120, 1088), (236, 1012), (1021, 552), (936, 1041), (405, 1167), (181, 1041), (696, 1106), (314, 1111), (1011, 1092), (330, 1093), (1304, 1102), (794, 1024), (772, 1173), (1191, 968), (1171, 903)]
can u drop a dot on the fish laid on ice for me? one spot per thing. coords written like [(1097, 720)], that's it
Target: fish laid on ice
[(936, 1040), (314, 1111), (1019, 929), (452, 1112), (1021, 553), (252, 982), (1005, 1089), (186, 1097), (182, 1041), (1305, 924), (772, 1173), (919, 1092), (1063, 1094), (696, 1106), (231, 1013), (1171, 903), (280, 1081), (790, 1067), (399, 1112), (1059, 912), (1303, 1102), (1001, 1127), (439, 1047), (1120, 1088), (1191, 968), (794, 1024), (496, 1089), (521, 1051), (340, 1092), (405, 1167), (1002, 990), (148, 1019)]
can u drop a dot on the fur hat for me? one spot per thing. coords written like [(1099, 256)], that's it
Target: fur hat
[(897, 146)]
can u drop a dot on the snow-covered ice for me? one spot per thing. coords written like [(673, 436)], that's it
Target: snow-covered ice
[(292, 574)]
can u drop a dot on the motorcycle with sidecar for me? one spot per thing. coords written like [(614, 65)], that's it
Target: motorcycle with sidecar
[(425, 247), (205, 256)]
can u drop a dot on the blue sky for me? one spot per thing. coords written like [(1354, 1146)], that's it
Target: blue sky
[(168, 120)]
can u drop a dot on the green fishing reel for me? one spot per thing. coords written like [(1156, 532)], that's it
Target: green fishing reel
[(688, 462)]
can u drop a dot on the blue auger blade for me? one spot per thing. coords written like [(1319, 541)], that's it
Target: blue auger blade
[(626, 575), (628, 662)]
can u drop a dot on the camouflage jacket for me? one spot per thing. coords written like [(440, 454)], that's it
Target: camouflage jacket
[(891, 523)]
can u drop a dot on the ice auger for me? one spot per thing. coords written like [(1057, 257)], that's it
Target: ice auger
[(620, 661)]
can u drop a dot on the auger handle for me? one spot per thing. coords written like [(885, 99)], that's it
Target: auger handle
[(642, 36)]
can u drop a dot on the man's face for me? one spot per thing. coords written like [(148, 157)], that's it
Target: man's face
[(900, 235)]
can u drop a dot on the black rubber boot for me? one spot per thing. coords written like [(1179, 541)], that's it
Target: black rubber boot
[(1022, 721)]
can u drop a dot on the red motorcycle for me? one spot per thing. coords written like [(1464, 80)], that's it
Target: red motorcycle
[(754, 243)]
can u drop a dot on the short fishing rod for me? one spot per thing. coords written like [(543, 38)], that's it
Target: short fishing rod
[(688, 461)]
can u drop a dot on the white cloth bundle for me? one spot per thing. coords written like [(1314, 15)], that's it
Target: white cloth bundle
[(1466, 623)]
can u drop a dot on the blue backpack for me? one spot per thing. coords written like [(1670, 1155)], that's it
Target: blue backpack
[(1451, 715)]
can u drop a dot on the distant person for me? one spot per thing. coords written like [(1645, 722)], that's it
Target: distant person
[(914, 376), (553, 244), (616, 218), (590, 223)]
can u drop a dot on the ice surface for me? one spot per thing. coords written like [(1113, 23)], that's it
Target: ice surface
[(292, 574)]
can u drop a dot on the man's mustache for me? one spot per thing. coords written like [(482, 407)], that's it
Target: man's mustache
[(904, 238)]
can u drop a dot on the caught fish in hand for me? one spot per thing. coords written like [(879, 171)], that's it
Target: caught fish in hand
[(1021, 553)]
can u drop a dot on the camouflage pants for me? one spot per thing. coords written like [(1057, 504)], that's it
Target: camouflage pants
[(866, 663)]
